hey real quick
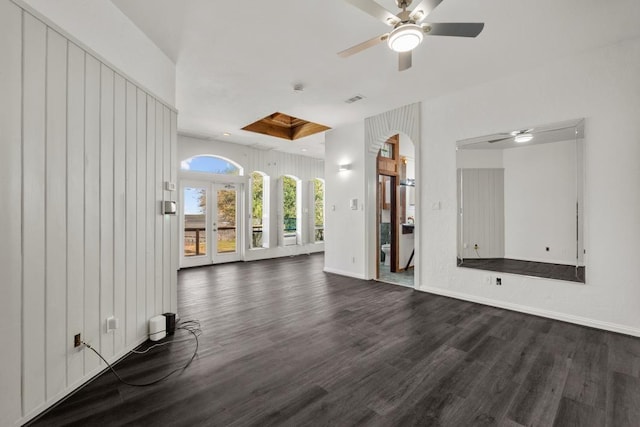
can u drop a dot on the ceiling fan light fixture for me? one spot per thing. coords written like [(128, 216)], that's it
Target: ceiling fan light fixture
[(522, 138), (405, 38)]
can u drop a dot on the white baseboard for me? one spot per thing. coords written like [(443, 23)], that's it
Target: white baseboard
[(345, 273), (578, 320), (73, 387)]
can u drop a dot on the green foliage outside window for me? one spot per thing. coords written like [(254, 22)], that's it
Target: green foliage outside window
[(257, 194), (290, 198)]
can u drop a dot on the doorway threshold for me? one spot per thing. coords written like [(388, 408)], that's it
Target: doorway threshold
[(403, 278)]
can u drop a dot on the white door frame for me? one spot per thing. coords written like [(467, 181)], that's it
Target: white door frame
[(212, 256)]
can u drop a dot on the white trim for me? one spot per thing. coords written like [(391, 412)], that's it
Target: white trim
[(579, 320), (29, 9), (40, 410), (345, 273)]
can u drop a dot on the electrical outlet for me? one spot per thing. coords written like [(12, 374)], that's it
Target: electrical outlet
[(498, 281), (475, 246), (547, 248), (77, 340)]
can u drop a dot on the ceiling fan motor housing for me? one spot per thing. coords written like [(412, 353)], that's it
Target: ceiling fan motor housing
[(403, 4)]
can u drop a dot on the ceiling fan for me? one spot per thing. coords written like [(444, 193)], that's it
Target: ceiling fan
[(519, 136), (408, 28)]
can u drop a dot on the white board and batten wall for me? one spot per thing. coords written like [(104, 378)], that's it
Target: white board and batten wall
[(85, 153), (275, 165)]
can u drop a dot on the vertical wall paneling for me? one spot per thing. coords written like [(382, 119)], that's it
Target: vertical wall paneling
[(75, 210), (33, 213), (130, 231), (85, 157), (119, 210), (159, 195), (106, 206), (10, 226), (56, 212), (92, 211), (166, 220), (150, 211), (173, 277), (141, 183), (483, 213)]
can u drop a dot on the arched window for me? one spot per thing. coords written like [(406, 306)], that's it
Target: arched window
[(259, 210), (211, 164), (318, 209), (291, 211)]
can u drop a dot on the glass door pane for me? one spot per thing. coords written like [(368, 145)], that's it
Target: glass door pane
[(195, 221), (226, 219)]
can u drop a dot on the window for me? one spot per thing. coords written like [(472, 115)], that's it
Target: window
[(211, 164), (318, 208), (259, 210), (290, 208)]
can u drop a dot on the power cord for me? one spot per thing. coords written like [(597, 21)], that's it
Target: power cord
[(191, 326), (186, 325)]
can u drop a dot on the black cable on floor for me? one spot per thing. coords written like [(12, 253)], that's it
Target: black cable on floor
[(191, 326)]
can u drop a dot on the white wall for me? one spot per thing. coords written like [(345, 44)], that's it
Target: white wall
[(103, 28), (345, 228), (474, 159), (406, 241), (274, 164), (601, 85), (84, 156), (540, 193)]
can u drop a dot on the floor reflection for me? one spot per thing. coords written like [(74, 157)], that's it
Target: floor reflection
[(403, 278)]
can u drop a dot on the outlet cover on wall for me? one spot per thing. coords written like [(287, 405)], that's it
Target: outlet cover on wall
[(111, 323)]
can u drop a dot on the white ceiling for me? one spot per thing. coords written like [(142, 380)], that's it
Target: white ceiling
[(238, 61)]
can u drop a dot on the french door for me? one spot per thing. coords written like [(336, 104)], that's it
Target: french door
[(210, 214)]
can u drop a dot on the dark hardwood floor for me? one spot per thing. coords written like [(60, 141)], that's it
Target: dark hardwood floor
[(545, 270), (285, 344)]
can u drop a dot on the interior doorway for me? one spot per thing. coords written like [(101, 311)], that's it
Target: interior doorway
[(209, 218), (395, 212)]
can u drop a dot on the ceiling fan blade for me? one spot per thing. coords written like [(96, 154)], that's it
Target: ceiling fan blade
[(375, 10), (423, 10), (455, 29), (501, 139), (362, 46), (404, 60)]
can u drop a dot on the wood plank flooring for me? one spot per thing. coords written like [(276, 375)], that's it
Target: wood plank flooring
[(284, 343), (528, 268)]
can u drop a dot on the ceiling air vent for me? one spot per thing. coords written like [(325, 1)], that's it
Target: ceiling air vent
[(354, 99)]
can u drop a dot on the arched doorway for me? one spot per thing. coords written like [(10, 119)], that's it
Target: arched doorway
[(404, 121), (210, 210)]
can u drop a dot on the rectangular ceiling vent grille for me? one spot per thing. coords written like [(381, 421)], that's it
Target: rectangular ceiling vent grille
[(354, 99)]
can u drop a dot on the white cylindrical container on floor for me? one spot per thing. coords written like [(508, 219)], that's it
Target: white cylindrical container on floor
[(157, 328)]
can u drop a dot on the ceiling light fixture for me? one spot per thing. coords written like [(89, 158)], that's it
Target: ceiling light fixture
[(226, 134), (405, 37), (523, 137)]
